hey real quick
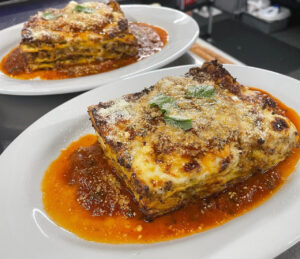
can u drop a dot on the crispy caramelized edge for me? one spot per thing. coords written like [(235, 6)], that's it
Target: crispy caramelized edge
[(134, 186)]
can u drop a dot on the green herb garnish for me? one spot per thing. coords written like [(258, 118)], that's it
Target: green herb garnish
[(178, 121), (50, 16), (165, 104), (201, 91), (83, 9)]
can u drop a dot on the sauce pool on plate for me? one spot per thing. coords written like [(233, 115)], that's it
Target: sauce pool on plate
[(151, 39), (83, 194)]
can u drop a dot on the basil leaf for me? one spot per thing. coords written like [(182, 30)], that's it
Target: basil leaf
[(163, 102), (201, 91), (166, 104), (179, 122), (50, 16), (83, 9)]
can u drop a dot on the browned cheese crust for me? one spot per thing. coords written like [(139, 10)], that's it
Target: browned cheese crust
[(234, 134)]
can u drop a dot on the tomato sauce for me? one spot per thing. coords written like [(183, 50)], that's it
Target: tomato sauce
[(151, 39), (82, 194)]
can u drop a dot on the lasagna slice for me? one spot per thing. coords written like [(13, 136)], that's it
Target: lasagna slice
[(191, 136), (78, 34)]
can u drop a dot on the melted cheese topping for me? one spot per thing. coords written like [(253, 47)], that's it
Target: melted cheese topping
[(103, 19), (227, 117)]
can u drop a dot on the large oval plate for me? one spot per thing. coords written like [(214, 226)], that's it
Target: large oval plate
[(27, 232), (182, 30)]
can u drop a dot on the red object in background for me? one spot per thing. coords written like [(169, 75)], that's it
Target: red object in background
[(188, 2), (185, 4)]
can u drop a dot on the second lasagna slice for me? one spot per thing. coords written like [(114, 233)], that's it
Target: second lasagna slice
[(88, 33), (191, 136)]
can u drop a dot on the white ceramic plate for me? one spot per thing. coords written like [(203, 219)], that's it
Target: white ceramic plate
[(27, 232), (182, 30)]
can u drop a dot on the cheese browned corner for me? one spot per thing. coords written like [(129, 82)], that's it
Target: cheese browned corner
[(77, 34), (191, 136)]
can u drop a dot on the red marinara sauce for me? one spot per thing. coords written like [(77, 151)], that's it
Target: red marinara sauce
[(151, 39), (82, 194)]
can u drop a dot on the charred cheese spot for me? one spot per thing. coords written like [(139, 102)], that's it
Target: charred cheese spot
[(192, 165), (260, 141), (269, 102), (168, 186), (279, 124), (122, 162), (224, 163)]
